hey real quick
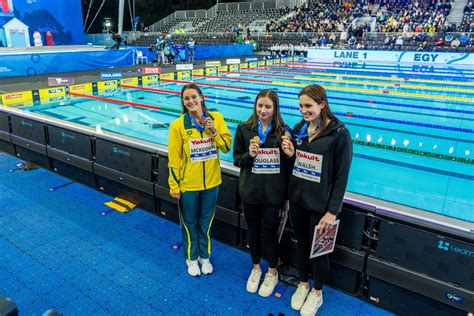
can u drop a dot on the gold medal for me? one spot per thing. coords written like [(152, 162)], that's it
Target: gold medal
[(255, 140)]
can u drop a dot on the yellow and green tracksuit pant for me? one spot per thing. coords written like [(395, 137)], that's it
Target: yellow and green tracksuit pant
[(198, 210)]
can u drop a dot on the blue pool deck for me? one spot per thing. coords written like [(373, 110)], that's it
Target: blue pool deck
[(59, 252)]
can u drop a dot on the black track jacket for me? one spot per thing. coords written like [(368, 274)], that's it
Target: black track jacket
[(334, 144), (269, 189)]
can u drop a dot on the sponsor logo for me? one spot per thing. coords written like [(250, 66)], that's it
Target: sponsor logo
[(60, 81), (268, 152), (57, 90), (121, 151), (453, 297), (151, 70), (449, 247), (25, 123), (306, 156), (111, 75), (67, 135), (200, 141), (14, 96)]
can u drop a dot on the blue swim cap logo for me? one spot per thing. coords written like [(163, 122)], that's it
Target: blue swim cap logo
[(444, 245)]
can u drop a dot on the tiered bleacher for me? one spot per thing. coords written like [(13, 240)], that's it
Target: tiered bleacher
[(402, 25)]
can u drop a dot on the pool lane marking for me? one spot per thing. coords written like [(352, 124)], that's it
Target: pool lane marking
[(336, 98), (284, 83), (370, 83)]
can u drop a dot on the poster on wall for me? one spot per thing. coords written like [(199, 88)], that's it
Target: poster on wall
[(40, 23)]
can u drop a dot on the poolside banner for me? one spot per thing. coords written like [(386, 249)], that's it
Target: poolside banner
[(261, 63), (276, 61), (198, 72), (130, 81), (253, 65), (284, 60), (85, 88), (251, 59), (269, 62), (17, 97), (234, 68), (110, 75), (183, 75), (213, 63), (57, 81), (50, 93), (149, 80), (184, 67), (223, 69), (232, 61), (391, 57), (211, 71), (107, 85), (167, 76), (244, 66), (151, 70)]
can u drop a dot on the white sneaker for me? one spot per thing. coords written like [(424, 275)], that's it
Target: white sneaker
[(253, 280), (268, 285), (311, 305), (193, 268), (298, 298), (206, 266)]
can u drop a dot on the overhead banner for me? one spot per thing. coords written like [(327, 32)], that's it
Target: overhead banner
[(392, 57)]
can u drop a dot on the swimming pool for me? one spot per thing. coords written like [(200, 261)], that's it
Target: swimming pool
[(412, 136)]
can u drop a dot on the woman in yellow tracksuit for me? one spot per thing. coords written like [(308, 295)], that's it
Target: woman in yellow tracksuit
[(195, 175)]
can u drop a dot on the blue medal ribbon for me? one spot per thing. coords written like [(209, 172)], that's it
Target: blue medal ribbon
[(302, 131), (261, 135)]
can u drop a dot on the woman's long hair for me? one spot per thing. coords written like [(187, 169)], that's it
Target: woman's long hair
[(277, 121), (194, 87), (318, 94)]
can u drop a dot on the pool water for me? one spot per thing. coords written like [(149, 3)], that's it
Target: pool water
[(412, 136)]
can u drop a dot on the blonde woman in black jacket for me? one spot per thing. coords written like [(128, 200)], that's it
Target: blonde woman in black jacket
[(321, 157), (263, 184)]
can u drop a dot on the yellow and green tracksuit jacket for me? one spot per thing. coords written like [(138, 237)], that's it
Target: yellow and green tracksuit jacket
[(186, 175)]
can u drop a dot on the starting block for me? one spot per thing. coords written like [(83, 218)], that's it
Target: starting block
[(121, 205)]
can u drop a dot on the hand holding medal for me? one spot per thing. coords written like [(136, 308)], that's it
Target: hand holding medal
[(287, 145), (210, 126), (254, 145)]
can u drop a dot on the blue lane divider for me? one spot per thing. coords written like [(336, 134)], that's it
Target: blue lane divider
[(378, 102), (433, 108), (372, 118)]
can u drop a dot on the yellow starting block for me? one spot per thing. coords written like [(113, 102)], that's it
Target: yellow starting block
[(121, 205)]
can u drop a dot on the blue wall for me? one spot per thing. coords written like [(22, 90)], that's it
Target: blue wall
[(45, 63), (62, 17)]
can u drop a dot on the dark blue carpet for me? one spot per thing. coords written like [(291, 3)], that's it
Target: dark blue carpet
[(57, 251)]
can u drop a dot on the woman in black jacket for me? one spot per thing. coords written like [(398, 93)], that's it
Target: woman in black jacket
[(263, 183), (321, 157)]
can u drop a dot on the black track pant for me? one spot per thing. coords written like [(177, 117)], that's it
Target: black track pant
[(303, 222), (263, 218)]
